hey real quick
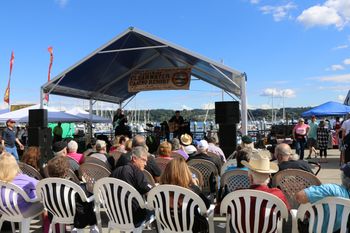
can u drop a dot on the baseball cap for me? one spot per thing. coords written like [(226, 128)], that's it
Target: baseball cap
[(247, 139), (202, 145), (10, 121)]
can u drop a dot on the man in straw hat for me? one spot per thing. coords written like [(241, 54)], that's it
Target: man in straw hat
[(259, 170)]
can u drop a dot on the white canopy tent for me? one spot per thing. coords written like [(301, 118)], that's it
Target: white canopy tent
[(85, 115), (54, 115)]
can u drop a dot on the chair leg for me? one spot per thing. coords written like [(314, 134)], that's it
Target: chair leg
[(13, 227), (24, 226), (98, 218), (62, 228), (52, 228)]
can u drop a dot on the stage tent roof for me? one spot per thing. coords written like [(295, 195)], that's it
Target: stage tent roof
[(328, 109), (85, 115), (103, 75)]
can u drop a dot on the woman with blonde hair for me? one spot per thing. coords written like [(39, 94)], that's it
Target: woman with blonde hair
[(164, 150), (178, 173), (11, 173)]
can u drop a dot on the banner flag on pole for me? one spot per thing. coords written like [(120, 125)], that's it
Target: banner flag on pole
[(49, 73), (7, 91)]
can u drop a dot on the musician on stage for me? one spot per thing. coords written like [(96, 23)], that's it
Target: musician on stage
[(119, 121), (177, 122)]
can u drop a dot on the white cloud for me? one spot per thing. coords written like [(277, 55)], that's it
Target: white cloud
[(341, 88), (265, 106), (208, 106), (331, 13), (278, 12), (347, 61), (341, 98), (343, 78), (62, 3), (335, 67), (288, 93), (186, 107), (254, 1), (344, 46)]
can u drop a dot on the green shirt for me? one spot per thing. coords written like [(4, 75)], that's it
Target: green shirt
[(313, 130)]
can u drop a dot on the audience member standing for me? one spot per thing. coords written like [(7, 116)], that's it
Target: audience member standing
[(9, 139), (346, 138), (322, 140), (312, 137), (300, 132)]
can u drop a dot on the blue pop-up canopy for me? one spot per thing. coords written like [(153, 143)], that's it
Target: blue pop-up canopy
[(328, 109)]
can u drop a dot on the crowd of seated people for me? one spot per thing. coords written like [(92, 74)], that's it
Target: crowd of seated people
[(134, 158)]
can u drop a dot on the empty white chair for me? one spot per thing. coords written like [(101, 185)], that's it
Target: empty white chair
[(163, 198), (244, 208), (116, 197), (10, 210), (58, 196)]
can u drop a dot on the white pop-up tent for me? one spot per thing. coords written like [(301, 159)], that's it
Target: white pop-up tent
[(54, 115), (85, 115)]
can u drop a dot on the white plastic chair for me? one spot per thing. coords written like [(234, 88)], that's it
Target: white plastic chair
[(162, 198), (9, 208), (238, 214), (317, 214), (58, 197), (119, 210)]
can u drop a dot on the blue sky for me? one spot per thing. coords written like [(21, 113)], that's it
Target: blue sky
[(299, 49)]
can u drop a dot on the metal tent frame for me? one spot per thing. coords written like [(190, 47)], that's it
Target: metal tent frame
[(103, 75)]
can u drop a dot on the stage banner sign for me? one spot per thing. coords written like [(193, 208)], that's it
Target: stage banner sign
[(160, 79)]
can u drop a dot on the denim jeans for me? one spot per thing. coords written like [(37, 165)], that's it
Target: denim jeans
[(13, 151), (300, 147)]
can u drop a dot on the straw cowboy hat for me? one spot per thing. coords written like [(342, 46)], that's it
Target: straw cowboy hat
[(186, 139), (260, 163)]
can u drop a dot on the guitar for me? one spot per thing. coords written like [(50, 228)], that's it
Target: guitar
[(173, 126)]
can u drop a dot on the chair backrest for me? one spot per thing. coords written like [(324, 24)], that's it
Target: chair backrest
[(91, 173), (207, 168), (235, 179), (162, 162), (198, 174), (325, 213), (244, 210), (163, 198), (216, 158), (59, 198), (149, 177), (291, 181), (9, 208), (97, 161), (116, 197), (229, 163), (29, 170), (70, 176)]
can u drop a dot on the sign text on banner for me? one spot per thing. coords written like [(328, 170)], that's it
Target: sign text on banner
[(160, 79)]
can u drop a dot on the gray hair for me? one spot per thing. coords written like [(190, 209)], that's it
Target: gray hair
[(283, 150), (259, 178), (138, 140), (139, 151), (175, 143), (345, 180), (72, 146)]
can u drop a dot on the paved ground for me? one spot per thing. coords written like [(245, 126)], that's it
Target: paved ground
[(329, 173)]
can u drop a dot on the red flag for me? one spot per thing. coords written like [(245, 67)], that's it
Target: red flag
[(49, 73), (7, 91)]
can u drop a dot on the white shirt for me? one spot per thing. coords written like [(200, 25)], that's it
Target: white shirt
[(346, 126)]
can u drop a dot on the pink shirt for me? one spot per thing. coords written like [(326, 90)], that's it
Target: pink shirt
[(300, 129), (76, 156)]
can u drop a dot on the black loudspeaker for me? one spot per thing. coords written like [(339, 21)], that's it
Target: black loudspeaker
[(227, 138), (42, 138), (38, 118), (227, 112)]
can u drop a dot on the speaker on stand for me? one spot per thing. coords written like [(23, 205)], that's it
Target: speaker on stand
[(39, 134), (227, 115)]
